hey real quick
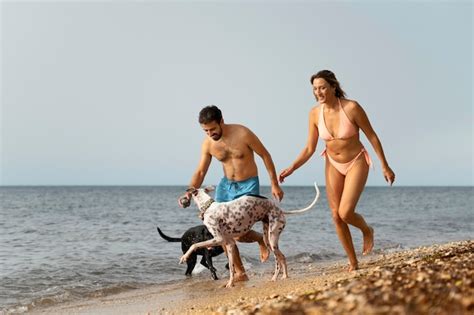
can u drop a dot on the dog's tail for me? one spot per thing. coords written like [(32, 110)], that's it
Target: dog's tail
[(308, 207), (166, 237)]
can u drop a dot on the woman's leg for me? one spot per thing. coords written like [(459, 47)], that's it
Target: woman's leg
[(353, 186), (334, 190)]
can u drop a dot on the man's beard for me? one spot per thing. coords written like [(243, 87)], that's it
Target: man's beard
[(216, 136)]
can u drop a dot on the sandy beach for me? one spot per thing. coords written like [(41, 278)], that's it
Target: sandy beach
[(436, 279)]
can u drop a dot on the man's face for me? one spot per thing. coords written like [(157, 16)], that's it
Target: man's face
[(213, 130)]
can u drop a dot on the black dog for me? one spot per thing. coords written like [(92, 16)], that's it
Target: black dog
[(195, 235)]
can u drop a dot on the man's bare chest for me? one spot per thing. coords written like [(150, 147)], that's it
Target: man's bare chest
[(224, 152)]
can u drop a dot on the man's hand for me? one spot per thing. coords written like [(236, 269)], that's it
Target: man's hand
[(277, 192), (185, 200)]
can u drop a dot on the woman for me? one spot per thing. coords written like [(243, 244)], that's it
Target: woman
[(337, 120)]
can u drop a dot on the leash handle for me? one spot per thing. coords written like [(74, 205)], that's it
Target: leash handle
[(184, 201)]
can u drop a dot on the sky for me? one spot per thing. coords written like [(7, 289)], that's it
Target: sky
[(108, 93)]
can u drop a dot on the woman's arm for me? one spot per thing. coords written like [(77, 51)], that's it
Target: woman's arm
[(363, 122), (308, 150)]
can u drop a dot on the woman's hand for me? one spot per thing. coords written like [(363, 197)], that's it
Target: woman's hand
[(285, 173), (388, 174)]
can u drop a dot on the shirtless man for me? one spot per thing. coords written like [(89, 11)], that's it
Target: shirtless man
[(234, 146)]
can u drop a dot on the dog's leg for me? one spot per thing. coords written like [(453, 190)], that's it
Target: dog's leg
[(203, 259), (191, 263), (206, 261), (265, 234), (280, 258), (276, 228), (208, 243), (230, 245), (275, 250)]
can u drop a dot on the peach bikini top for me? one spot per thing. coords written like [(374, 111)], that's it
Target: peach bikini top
[(346, 128)]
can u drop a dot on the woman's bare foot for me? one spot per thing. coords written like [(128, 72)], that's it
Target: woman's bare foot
[(368, 241)]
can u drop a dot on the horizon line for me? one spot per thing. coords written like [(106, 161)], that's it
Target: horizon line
[(182, 185)]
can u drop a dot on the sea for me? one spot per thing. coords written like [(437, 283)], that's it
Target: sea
[(66, 243)]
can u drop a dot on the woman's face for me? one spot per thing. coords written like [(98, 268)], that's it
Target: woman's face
[(322, 90)]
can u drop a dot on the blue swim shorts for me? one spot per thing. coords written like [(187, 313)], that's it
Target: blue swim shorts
[(228, 190)]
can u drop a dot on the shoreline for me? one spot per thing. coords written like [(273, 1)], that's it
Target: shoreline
[(436, 279)]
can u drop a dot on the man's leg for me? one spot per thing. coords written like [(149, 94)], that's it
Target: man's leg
[(252, 186), (227, 191), (253, 236), (223, 193), (239, 269)]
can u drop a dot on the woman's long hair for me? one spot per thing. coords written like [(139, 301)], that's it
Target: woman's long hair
[(330, 78)]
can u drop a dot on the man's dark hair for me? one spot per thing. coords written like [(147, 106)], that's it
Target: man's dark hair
[(209, 114)]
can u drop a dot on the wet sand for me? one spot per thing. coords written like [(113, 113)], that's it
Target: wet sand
[(437, 279)]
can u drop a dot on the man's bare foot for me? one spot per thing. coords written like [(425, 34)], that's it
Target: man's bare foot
[(229, 284), (353, 267), (264, 251), (368, 241), (240, 277)]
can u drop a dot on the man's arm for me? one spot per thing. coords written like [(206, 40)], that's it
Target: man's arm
[(257, 146), (200, 173), (203, 166)]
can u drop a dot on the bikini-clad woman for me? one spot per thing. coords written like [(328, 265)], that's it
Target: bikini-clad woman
[(337, 120)]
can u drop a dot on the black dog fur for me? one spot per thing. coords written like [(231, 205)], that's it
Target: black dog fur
[(195, 235)]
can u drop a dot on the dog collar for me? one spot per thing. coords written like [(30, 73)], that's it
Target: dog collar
[(206, 206)]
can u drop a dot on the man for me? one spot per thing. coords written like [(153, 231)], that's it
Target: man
[(234, 146)]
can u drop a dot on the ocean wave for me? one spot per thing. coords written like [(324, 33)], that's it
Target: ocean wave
[(66, 295), (307, 257)]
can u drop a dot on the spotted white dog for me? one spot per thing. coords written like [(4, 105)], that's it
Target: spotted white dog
[(228, 220)]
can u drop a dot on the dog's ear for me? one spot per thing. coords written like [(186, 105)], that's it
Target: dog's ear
[(209, 188)]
